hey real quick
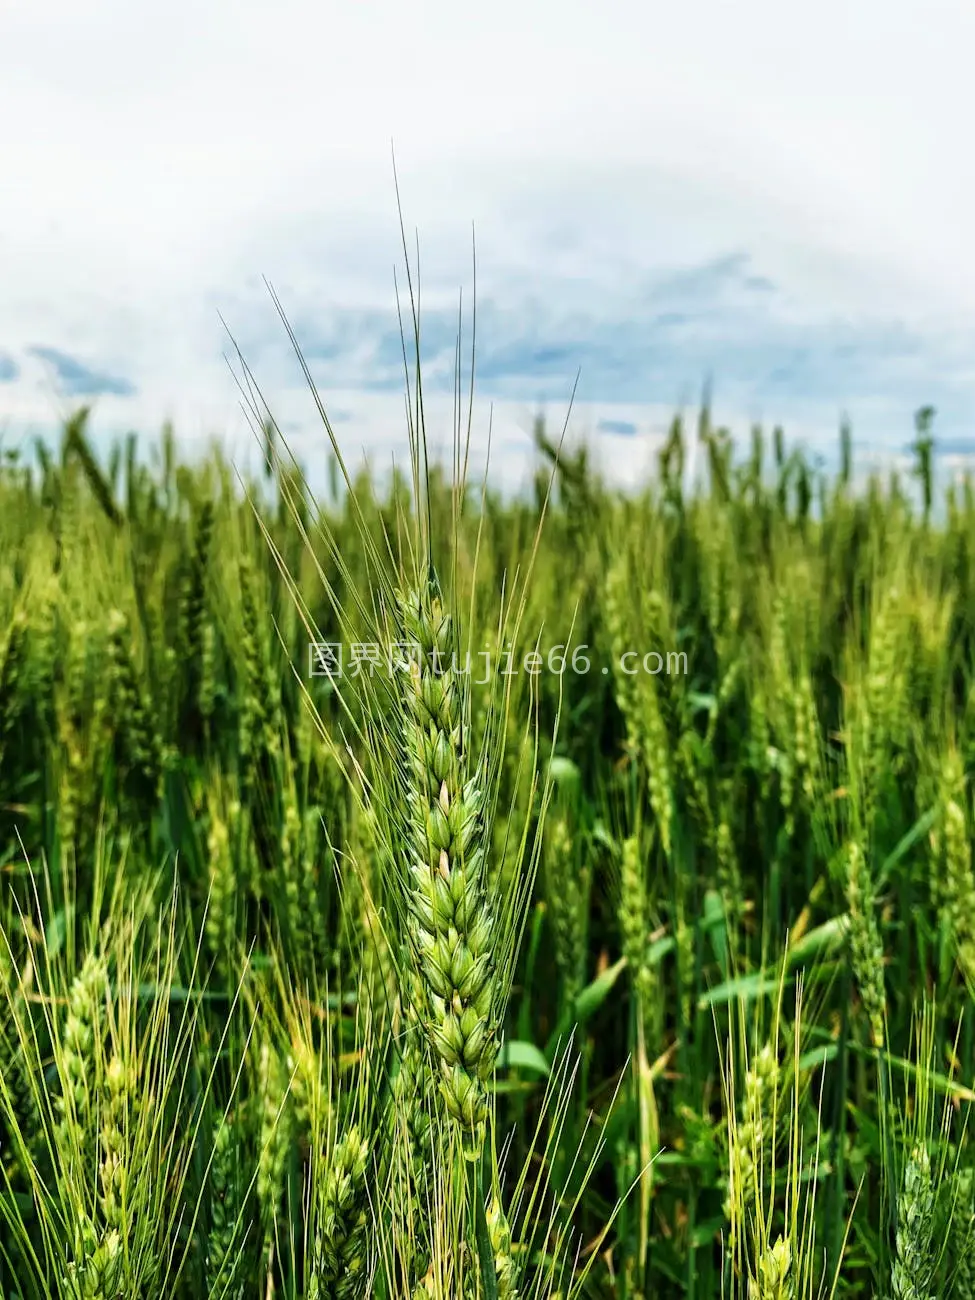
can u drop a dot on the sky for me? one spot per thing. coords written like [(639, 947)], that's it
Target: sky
[(773, 200)]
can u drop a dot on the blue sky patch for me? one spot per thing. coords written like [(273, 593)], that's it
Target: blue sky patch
[(80, 380)]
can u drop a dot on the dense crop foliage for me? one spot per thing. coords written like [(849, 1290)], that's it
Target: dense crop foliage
[(608, 912)]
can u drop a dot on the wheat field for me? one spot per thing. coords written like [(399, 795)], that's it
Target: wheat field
[(418, 892)]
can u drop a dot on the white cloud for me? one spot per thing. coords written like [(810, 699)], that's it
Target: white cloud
[(158, 159)]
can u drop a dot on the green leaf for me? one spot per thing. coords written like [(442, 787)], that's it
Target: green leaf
[(907, 842), (587, 1004), (601, 836), (825, 938), (742, 986), (519, 1055), (921, 1074), (485, 1255), (595, 994), (699, 700), (659, 949), (818, 1056), (55, 933), (563, 770)]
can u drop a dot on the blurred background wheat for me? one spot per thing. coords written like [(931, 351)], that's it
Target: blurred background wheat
[(680, 1006)]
